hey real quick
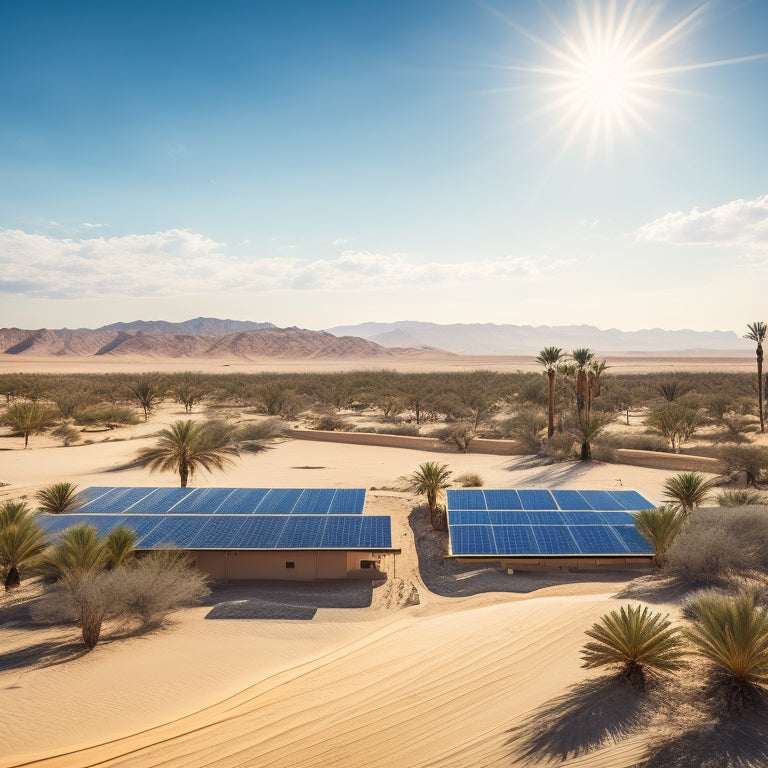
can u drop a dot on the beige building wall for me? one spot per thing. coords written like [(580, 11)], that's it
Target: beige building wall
[(235, 565)]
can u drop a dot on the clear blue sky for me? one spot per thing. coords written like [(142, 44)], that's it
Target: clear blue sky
[(324, 163)]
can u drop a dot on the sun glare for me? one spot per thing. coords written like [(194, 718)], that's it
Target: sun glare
[(606, 73)]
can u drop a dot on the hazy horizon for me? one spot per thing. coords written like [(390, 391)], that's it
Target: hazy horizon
[(595, 162)]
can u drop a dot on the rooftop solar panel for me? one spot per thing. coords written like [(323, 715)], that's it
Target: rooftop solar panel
[(597, 540), (314, 501), (582, 518), (347, 501), (502, 500), (537, 499), (631, 500), (601, 500), (555, 540), (469, 517), (159, 502), (470, 498), (515, 539), (570, 500), (473, 540)]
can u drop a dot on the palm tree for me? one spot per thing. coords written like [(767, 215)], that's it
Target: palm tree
[(659, 526), (28, 417), (688, 490), (58, 499), (187, 446), (595, 370), (581, 359), (550, 357), (119, 544), (757, 331), (21, 540), (634, 639), (587, 428), (732, 633), (146, 389), (430, 479), (79, 552)]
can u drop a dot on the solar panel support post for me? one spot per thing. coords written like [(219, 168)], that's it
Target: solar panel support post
[(226, 566)]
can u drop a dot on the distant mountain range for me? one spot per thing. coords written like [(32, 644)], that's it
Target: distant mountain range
[(206, 337), (196, 339), (491, 339)]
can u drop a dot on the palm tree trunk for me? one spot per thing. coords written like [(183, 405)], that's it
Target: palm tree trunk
[(12, 578), (760, 385), (551, 413), (183, 475), (586, 451)]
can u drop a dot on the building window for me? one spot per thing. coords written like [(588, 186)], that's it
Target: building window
[(290, 564)]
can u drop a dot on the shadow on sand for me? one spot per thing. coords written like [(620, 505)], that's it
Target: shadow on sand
[(295, 600), (586, 717), (551, 474)]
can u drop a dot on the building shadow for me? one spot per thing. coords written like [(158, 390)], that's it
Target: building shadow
[(286, 600), (586, 717)]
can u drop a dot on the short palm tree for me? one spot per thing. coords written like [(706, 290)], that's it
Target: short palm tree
[(581, 359), (757, 332), (79, 552), (119, 544), (587, 428), (634, 639), (27, 417), (21, 540), (550, 357), (732, 633), (58, 498), (430, 478), (187, 446), (659, 526), (688, 490)]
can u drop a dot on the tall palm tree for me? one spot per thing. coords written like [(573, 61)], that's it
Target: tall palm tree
[(58, 498), (757, 331), (21, 540), (187, 446), (581, 359), (659, 526), (634, 639), (732, 633), (688, 490), (595, 370), (430, 478), (550, 357)]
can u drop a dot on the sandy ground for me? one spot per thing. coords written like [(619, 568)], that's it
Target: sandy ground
[(327, 675)]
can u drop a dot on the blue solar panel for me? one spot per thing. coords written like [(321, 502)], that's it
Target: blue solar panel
[(570, 500), (635, 542), (342, 531), (617, 518), (469, 517), (546, 518), (202, 501), (469, 498), (555, 540), (262, 531), (174, 531), (347, 501), (537, 499), (515, 540), (597, 540), (89, 495), (502, 500), (472, 540), (582, 518), (513, 518), (314, 501), (159, 502), (376, 532), (303, 532), (278, 501), (601, 500), (631, 500), (220, 532)]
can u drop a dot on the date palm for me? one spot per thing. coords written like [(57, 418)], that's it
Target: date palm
[(57, 499), (732, 633), (659, 526), (187, 446), (21, 540), (430, 478), (634, 639), (28, 417), (688, 490), (550, 357), (757, 331), (580, 361)]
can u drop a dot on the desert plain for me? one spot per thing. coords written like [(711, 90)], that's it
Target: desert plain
[(436, 664)]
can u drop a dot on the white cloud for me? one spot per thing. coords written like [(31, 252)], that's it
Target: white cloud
[(740, 223), (179, 262)]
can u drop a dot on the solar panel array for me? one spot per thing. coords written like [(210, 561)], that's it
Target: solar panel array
[(223, 501), (530, 523), (259, 532)]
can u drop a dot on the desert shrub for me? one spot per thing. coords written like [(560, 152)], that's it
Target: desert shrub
[(750, 459), (67, 433), (560, 447), (469, 480), (256, 435), (366, 430), (640, 442), (740, 498), (527, 428), (332, 424), (105, 414), (407, 430), (458, 435), (677, 422), (719, 545)]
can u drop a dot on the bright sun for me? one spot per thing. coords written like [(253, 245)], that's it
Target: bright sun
[(606, 73)]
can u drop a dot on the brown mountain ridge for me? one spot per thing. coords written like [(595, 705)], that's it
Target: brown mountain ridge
[(290, 343)]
